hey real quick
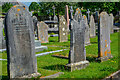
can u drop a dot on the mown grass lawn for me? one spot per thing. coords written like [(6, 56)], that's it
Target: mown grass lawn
[(48, 65)]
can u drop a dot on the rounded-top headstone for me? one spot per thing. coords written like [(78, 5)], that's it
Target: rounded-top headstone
[(20, 42)]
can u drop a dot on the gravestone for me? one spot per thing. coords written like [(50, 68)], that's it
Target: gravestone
[(111, 19), (67, 15), (92, 27), (2, 40), (87, 31), (55, 18), (78, 15), (104, 51), (96, 16), (42, 32), (35, 20), (63, 29), (77, 54), (20, 43)]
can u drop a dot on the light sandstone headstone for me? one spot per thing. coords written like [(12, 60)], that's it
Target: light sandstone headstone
[(111, 21), (63, 29), (104, 51), (67, 16), (42, 32), (77, 54), (92, 27), (87, 31), (20, 43)]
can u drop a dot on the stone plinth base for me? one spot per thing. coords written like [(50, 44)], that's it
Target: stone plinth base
[(78, 65), (40, 48), (104, 58), (35, 75)]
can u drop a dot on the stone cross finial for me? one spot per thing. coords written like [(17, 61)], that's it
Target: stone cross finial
[(71, 11), (88, 12)]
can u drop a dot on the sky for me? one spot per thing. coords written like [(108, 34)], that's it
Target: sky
[(26, 2)]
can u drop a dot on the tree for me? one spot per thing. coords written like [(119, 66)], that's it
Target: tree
[(34, 6), (6, 7)]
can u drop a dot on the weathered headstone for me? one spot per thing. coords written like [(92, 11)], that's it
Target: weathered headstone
[(20, 43), (2, 40), (111, 21), (35, 20), (104, 52), (87, 31), (67, 15), (78, 15), (77, 54), (42, 32), (55, 18), (63, 29), (96, 16), (92, 27)]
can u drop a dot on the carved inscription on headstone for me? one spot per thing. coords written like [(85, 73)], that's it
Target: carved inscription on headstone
[(20, 42)]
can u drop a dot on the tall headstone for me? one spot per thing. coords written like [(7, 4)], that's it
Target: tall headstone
[(77, 54), (111, 21), (42, 32), (87, 31), (104, 51), (96, 16), (20, 43), (2, 40), (92, 27), (67, 15), (63, 29)]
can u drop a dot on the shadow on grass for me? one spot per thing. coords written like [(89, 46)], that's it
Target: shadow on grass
[(93, 42), (91, 59), (55, 67), (4, 78)]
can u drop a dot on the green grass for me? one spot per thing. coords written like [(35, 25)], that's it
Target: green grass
[(48, 65)]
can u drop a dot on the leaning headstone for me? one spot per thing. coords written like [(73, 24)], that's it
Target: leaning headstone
[(111, 21), (20, 43), (67, 15), (77, 54), (63, 29), (92, 27), (42, 32), (104, 51), (2, 40), (87, 31)]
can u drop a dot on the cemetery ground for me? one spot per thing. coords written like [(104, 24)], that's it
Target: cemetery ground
[(48, 65)]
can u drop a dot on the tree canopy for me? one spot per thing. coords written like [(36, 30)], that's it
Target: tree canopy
[(45, 8)]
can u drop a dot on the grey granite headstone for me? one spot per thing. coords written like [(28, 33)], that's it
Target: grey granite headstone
[(111, 21), (2, 40), (55, 18), (78, 15), (42, 32), (87, 31), (96, 16), (77, 54), (20, 43), (35, 20), (63, 29), (104, 51), (92, 27)]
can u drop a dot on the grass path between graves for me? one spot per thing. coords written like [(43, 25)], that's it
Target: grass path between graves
[(48, 65)]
